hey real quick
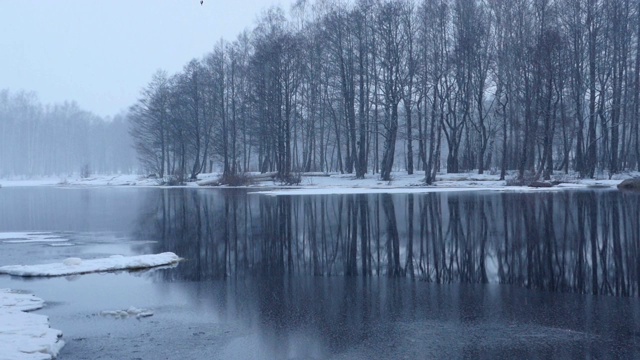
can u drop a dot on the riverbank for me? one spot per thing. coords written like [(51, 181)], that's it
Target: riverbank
[(321, 183)]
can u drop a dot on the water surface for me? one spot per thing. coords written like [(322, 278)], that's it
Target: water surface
[(484, 275)]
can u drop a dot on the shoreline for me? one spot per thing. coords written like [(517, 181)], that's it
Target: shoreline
[(335, 183)]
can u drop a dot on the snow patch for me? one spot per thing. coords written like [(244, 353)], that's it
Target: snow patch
[(26, 336), (130, 312), (72, 261), (74, 266), (326, 183), (387, 190), (12, 299)]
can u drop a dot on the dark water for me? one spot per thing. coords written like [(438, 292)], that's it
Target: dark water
[(484, 275)]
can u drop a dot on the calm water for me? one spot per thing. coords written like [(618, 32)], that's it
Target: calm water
[(443, 275)]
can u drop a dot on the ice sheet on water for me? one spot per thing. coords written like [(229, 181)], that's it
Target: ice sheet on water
[(73, 266), (31, 237), (25, 336), (16, 300)]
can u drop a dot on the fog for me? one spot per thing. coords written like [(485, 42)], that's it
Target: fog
[(70, 71), (59, 140)]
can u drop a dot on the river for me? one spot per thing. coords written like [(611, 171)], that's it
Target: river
[(478, 275)]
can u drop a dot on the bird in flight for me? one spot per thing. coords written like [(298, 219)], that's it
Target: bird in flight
[(201, 1)]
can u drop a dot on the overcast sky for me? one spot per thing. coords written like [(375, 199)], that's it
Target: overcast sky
[(100, 53)]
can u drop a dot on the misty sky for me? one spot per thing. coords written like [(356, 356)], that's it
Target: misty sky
[(100, 53)]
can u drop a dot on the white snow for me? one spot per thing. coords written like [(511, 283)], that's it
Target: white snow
[(330, 183), (15, 300), (72, 266), (72, 261), (130, 312), (338, 191), (403, 183), (98, 180), (31, 237), (25, 336)]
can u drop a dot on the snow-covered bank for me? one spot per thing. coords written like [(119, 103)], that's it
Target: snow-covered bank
[(98, 180), (74, 266), (403, 183), (333, 183), (26, 336)]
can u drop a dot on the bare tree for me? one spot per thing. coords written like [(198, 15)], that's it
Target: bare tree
[(149, 124), (546, 84), (391, 43)]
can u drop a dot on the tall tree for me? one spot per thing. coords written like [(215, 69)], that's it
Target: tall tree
[(150, 128), (391, 42)]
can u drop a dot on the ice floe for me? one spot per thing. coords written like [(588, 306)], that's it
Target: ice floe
[(23, 335), (130, 312), (31, 237), (73, 266)]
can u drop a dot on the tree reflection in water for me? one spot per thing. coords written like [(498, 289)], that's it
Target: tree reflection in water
[(579, 241)]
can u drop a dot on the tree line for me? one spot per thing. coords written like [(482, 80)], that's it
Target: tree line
[(60, 139), (534, 87)]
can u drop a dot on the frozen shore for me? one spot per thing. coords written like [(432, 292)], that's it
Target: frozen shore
[(24, 335), (27, 336), (332, 183), (76, 266)]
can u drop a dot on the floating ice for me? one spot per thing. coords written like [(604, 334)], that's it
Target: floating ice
[(73, 266), (130, 312), (31, 237), (11, 299), (25, 336)]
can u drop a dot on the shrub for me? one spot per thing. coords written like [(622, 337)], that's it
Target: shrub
[(85, 171), (527, 180), (171, 180), (290, 179), (236, 180)]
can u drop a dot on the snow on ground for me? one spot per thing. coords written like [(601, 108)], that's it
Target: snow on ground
[(31, 237), (403, 183), (73, 266), (332, 183), (382, 190), (25, 336), (98, 180)]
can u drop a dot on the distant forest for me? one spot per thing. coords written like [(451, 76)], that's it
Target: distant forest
[(60, 140)]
